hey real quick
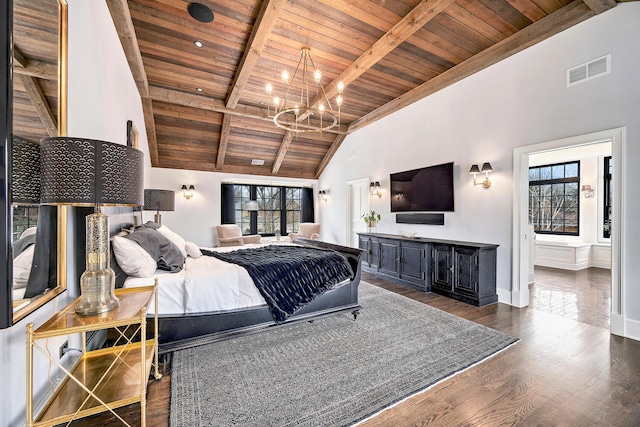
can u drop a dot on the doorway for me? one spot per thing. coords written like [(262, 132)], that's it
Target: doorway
[(357, 205), (521, 231)]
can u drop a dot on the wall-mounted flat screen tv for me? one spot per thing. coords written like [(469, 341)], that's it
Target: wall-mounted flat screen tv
[(428, 189)]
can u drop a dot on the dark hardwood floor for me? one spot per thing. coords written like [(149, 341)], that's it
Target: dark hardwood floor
[(567, 369)]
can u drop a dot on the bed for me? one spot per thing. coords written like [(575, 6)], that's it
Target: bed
[(196, 307)]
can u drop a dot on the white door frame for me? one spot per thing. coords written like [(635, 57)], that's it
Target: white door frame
[(349, 227), (520, 290)]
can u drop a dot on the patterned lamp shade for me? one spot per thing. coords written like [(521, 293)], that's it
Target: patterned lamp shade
[(159, 200), (25, 172), (86, 172)]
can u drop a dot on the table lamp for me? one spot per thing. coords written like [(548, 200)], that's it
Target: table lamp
[(88, 172), (159, 200), (25, 172)]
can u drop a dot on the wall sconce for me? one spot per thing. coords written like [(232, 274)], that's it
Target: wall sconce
[(188, 192), (375, 189), (323, 195), (588, 191), (486, 168)]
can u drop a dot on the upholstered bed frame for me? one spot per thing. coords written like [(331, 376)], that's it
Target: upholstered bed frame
[(183, 331), (178, 332)]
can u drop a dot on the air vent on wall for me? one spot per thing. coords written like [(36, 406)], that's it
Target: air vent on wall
[(589, 70)]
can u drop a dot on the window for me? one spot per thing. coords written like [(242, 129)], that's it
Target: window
[(554, 198), (293, 203), (279, 209), (270, 209), (23, 217), (243, 217), (608, 187)]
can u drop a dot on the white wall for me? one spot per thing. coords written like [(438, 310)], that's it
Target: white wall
[(196, 218), (520, 101), (102, 97)]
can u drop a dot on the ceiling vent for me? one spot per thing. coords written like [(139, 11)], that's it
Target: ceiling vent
[(590, 70), (257, 162)]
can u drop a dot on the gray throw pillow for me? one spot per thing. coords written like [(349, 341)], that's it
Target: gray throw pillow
[(161, 249)]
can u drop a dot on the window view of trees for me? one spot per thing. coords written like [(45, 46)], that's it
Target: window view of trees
[(23, 217), (269, 209), (243, 217), (554, 198), (293, 206), (278, 209)]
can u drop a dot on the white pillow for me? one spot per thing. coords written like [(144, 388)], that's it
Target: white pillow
[(28, 232), (132, 258), (22, 267), (175, 238), (193, 250)]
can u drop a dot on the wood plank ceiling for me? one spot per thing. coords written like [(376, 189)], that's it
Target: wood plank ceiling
[(389, 54), (35, 65)]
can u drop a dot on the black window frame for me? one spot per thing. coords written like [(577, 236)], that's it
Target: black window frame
[(607, 197), (268, 208), (573, 181)]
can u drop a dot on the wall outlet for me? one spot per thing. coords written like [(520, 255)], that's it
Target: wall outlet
[(63, 349)]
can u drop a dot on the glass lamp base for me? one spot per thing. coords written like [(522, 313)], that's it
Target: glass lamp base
[(97, 292)]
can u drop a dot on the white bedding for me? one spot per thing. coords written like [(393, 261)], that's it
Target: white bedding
[(205, 284)]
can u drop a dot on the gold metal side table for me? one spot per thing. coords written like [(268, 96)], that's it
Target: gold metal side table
[(105, 379)]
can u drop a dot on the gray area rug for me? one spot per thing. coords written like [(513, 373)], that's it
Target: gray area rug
[(332, 372)]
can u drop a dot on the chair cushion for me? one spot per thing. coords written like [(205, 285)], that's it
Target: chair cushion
[(228, 230), (308, 229)]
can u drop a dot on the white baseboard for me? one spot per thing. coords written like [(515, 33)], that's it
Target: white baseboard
[(504, 296), (516, 300), (623, 327), (617, 324)]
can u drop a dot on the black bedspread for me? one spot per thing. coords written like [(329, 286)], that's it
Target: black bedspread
[(288, 277)]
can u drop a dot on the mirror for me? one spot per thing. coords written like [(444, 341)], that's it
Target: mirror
[(35, 235)]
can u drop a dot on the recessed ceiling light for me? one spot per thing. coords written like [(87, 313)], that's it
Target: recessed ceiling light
[(198, 43), (199, 89), (200, 12), (258, 162)]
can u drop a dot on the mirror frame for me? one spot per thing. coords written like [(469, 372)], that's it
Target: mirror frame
[(7, 316)]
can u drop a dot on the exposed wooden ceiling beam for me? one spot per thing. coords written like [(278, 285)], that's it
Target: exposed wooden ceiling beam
[(224, 140), (212, 104), (262, 28), (39, 70), (40, 103), (412, 22), (599, 6), (19, 57), (150, 127), (121, 17), (236, 169), (327, 157), (558, 21), (286, 141)]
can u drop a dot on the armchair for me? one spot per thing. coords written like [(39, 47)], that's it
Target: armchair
[(308, 230), (231, 235)]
